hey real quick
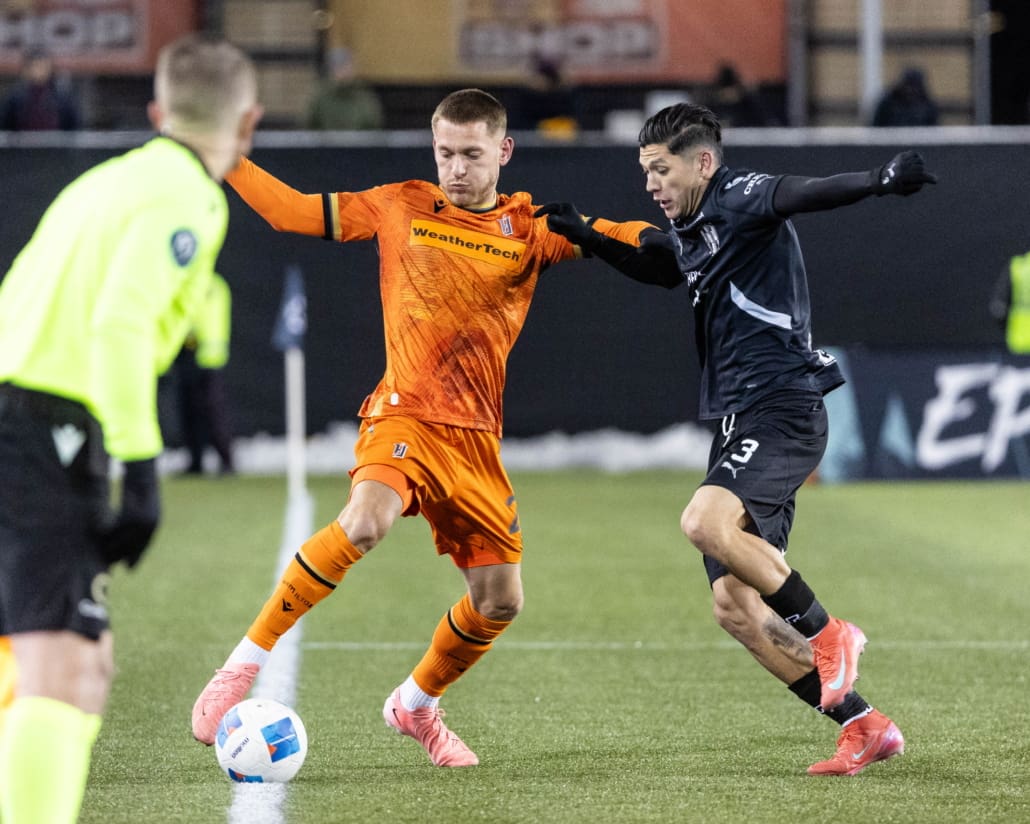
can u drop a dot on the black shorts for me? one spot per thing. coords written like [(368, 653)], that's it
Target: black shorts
[(762, 456), (53, 498)]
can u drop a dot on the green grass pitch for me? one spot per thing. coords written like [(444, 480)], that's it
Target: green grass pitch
[(614, 697)]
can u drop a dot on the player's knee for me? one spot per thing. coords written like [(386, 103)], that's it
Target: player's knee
[(363, 527), (702, 531), (500, 607)]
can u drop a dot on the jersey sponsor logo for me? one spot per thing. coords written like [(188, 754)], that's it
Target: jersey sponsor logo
[(468, 243), (68, 440), (752, 179), (184, 246), (756, 180)]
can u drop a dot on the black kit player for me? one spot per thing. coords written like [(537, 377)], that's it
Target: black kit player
[(732, 243)]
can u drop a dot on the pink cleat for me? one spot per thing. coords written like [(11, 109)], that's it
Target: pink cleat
[(836, 649), (224, 691), (426, 726), (861, 743)]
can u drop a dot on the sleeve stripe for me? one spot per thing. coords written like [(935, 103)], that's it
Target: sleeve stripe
[(330, 216)]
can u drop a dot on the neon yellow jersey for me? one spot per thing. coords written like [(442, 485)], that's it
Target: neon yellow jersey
[(212, 325), (96, 306), (1017, 331)]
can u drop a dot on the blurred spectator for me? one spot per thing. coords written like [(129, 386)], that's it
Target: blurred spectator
[(1010, 304), (344, 100), (907, 103), (40, 101), (200, 366), (548, 103), (733, 101)]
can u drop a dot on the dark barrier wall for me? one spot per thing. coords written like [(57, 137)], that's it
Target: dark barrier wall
[(929, 414), (598, 350)]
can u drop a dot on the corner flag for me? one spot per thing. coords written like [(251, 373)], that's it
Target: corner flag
[(292, 322)]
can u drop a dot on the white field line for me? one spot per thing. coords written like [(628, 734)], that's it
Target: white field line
[(1004, 645), (265, 803)]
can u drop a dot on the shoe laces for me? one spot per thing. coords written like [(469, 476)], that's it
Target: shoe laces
[(852, 736), (222, 684)]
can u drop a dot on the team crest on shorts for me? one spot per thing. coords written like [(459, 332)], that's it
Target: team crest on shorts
[(400, 450)]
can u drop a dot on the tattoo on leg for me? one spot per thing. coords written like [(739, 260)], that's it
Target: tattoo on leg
[(784, 636)]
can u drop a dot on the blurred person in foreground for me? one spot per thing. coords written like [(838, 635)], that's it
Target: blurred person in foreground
[(344, 101), (93, 308), (200, 375), (731, 242), (40, 100), (459, 263)]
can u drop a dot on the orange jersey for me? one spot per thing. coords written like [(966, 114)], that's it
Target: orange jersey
[(456, 285)]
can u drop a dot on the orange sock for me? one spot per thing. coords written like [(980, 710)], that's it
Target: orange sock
[(314, 572), (462, 637)]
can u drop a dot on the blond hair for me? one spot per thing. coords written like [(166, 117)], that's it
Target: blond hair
[(472, 106), (204, 84)]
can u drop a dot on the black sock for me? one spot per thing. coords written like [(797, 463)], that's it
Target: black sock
[(795, 603), (807, 688)]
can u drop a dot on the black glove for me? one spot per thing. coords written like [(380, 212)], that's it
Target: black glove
[(564, 219), (657, 244), (903, 175), (134, 525)]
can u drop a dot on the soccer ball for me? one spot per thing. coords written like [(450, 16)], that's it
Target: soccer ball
[(260, 740)]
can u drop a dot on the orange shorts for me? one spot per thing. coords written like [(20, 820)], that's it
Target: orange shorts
[(454, 477)]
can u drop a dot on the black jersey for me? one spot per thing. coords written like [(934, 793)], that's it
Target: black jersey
[(743, 265)]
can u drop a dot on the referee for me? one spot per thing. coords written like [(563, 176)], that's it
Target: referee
[(93, 309)]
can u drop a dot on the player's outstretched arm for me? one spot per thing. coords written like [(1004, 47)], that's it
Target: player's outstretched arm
[(285, 209), (904, 174), (649, 260)]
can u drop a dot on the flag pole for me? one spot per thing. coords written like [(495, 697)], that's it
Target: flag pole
[(288, 337), (296, 416)]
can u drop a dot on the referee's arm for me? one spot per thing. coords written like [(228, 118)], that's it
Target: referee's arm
[(139, 283)]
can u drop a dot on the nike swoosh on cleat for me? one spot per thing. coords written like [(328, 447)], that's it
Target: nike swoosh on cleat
[(857, 756), (838, 682)]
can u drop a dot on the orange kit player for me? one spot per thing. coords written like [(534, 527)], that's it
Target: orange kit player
[(458, 266)]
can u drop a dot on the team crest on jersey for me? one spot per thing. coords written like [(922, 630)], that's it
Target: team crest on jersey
[(505, 224), (710, 237), (400, 450), (184, 246)]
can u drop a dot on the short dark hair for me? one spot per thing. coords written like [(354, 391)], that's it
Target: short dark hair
[(472, 106), (683, 126)]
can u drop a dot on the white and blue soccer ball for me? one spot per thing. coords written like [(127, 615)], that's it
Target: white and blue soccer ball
[(260, 740)]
